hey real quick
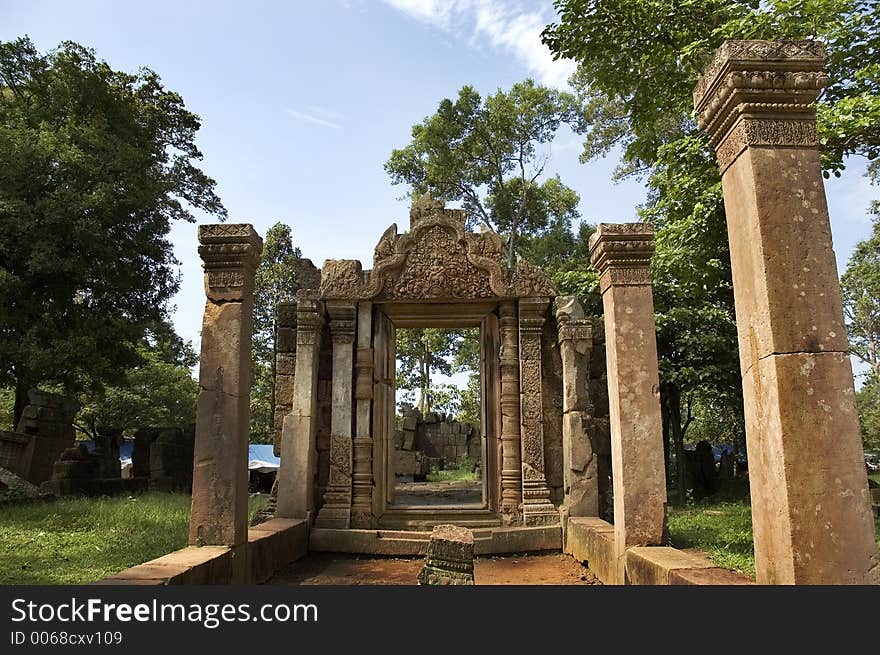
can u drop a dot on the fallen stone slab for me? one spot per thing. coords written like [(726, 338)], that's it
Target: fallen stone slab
[(450, 558)]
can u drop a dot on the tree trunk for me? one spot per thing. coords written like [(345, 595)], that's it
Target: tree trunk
[(21, 400), (664, 420), (672, 396)]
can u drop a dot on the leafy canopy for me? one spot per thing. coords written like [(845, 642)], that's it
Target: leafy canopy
[(488, 155), (95, 164)]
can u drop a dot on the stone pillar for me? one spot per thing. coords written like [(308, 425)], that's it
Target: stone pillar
[(537, 507), (362, 499), (296, 476), (811, 509), (230, 253), (285, 368), (336, 511), (622, 255), (511, 467), (578, 460)]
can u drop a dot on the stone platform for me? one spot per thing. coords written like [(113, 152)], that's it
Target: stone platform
[(487, 541)]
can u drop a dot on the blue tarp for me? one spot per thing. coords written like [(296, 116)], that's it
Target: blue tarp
[(260, 456)]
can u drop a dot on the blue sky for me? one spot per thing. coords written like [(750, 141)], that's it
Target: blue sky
[(302, 102)]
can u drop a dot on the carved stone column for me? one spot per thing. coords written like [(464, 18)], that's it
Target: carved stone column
[(811, 509), (296, 476), (537, 507), (362, 499), (230, 253), (622, 255), (336, 511), (511, 464), (579, 462)]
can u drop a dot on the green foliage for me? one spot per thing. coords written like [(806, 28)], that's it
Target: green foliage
[(7, 400), (158, 392), (423, 352), (95, 164), (868, 400), (860, 288), (638, 62), (487, 154), (277, 280)]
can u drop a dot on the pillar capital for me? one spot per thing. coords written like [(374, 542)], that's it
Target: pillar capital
[(621, 253), (309, 318), (230, 254), (760, 93), (342, 321)]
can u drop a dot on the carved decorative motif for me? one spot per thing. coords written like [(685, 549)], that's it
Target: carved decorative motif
[(760, 93), (230, 254), (438, 259), (753, 53), (621, 253), (537, 508), (768, 132), (511, 463)]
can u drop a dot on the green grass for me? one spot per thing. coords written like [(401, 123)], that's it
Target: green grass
[(80, 540), (875, 477), (464, 471), (725, 536), (722, 528)]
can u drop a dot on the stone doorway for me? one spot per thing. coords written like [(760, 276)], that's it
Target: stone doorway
[(409, 497), (439, 447)]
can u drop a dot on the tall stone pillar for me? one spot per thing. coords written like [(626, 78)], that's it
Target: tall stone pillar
[(230, 253), (622, 255), (537, 507), (511, 466), (579, 462), (336, 511), (811, 509), (296, 476), (362, 479)]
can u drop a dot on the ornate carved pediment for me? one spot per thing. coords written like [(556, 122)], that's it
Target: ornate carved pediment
[(438, 259)]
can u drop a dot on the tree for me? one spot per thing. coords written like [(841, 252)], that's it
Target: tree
[(637, 65), (470, 146), (860, 288), (158, 392), (95, 164), (277, 280), (422, 352)]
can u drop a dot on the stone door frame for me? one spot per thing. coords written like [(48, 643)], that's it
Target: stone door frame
[(388, 317)]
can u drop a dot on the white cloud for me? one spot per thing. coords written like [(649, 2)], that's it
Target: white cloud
[(506, 26), (317, 116)]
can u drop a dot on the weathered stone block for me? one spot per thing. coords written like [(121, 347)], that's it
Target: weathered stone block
[(450, 558), (651, 565)]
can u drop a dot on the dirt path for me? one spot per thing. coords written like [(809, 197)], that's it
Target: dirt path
[(332, 569)]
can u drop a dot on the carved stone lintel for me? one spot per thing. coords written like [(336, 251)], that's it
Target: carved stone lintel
[(309, 318), (439, 258), (760, 93), (230, 255), (621, 252)]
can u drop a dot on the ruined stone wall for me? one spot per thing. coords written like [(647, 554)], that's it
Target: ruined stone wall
[(434, 441), (285, 365)]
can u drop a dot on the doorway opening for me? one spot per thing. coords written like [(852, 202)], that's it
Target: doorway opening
[(439, 437)]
